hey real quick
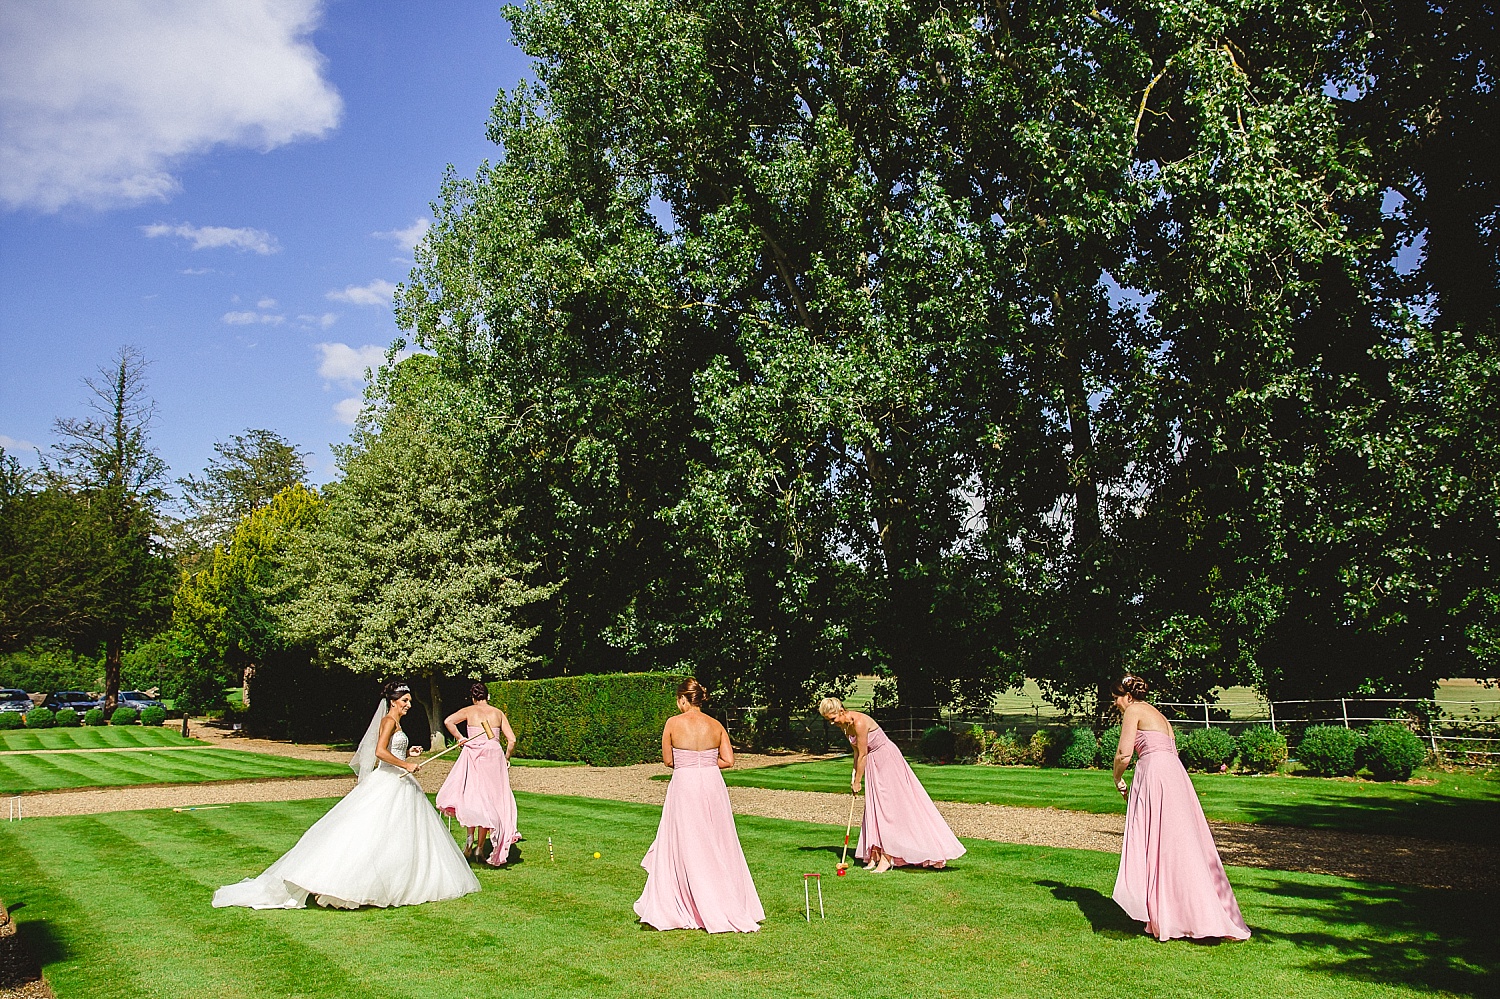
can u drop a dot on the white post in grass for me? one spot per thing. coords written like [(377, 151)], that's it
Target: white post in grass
[(1344, 704), (1205, 714), (1272, 706)]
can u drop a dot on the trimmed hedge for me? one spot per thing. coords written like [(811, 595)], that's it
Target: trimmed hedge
[(1262, 749), (1392, 751), (65, 718), (124, 716), (39, 718), (1081, 749), (608, 719), (153, 717), (1330, 750), (1109, 741), (94, 717), (938, 744), (1207, 749), (10, 719)]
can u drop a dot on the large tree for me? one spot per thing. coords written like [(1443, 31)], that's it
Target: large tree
[(249, 471)]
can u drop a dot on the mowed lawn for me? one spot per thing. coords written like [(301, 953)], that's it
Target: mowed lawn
[(153, 760), (1460, 806), (118, 905)]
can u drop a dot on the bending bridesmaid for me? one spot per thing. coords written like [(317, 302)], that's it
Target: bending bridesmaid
[(477, 791), (1170, 876), (696, 875), (901, 826)]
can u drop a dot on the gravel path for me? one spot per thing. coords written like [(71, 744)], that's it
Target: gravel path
[(1398, 859)]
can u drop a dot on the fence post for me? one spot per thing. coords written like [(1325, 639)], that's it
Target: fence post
[(1343, 703), (1272, 706), (1205, 714)]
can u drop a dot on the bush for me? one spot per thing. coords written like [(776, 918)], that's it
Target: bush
[(65, 718), (1209, 749), (39, 718), (1109, 741), (1045, 747), (1080, 751), (153, 717), (604, 720), (1329, 750), (93, 717), (9, 720), (1262, 749), (123, 716), (1003, 749), (938, 743), (1392, 751), (970, 743)]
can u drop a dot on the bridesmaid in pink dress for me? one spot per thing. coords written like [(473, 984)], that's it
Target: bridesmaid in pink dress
[(696, 875), (901, 826), (1170, 876), (477, 791)]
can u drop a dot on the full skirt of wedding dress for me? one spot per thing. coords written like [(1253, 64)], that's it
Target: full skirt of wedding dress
[(382, 845)]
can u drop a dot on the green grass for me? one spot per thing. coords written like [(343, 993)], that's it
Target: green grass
[(1462, 806), (54, 771), (117, 905), (106, 737)]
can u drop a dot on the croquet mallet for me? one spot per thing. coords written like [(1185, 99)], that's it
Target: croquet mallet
[(843, 867)]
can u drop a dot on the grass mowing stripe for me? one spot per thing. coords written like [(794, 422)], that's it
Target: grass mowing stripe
[(110, 737), (19, 774), (1005, 921)]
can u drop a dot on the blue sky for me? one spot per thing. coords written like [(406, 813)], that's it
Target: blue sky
[(210, 182)]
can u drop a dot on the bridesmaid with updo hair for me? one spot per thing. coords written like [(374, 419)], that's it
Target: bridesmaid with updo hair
[(696, 875), (1171, 877)]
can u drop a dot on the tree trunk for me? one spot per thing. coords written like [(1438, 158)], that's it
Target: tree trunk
[(435, 713), (114, 652)]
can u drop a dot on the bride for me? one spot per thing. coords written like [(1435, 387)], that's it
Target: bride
[(383, 844)]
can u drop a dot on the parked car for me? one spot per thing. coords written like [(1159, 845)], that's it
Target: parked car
[(75, 699), (136, 699), (12, 699)]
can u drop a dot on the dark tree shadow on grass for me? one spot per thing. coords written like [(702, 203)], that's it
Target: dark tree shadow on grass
[(1426, 814), (25, 952), (1104, 915), (1445, 941)]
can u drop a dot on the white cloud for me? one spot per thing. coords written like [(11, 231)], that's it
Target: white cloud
[(104, 99), (377, 292), (347, 365), (266, 303), (324, 321), (347, 410), (213, 237), (13, 444), (251, 319), (409, 237), (197, 270)]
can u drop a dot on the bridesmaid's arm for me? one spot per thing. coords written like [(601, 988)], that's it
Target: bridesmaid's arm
[(510, 735), (451, 724), (726, 751), (861, 750), (666, 743), (1126, 748), (383, 746)]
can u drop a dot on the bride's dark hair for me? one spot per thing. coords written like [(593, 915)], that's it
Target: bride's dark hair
[(394, 689)]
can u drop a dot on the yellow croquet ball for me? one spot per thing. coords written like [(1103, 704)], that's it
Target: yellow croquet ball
[(596, 855)]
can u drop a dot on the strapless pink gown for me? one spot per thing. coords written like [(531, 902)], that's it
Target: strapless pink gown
[(477, 793), (1170, 876), (696, 875), (900, 818)]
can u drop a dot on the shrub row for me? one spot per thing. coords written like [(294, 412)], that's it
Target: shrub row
[(1390, 751), (604, 720), (68, 718)]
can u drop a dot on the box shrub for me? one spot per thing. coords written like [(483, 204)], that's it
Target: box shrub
[(39, 718), (1045, 747), (153, 717), (65, 718), (10, 719), (969, 743), (1208, 749), (1080, 749), (607, 719), (1262, 749), (1109, 741), (94, 717), (123, 716), (1391, 751), (1329, 750), (1003, 749), (938, 744)]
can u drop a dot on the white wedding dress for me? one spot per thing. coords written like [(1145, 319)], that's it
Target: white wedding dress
[(383, 844)]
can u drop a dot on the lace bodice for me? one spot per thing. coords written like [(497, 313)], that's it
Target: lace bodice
[(399, 744)]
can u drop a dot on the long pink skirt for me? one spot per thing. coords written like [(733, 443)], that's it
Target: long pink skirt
[(900, 818), (477, 793), (696, 875), (1170, 876)]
